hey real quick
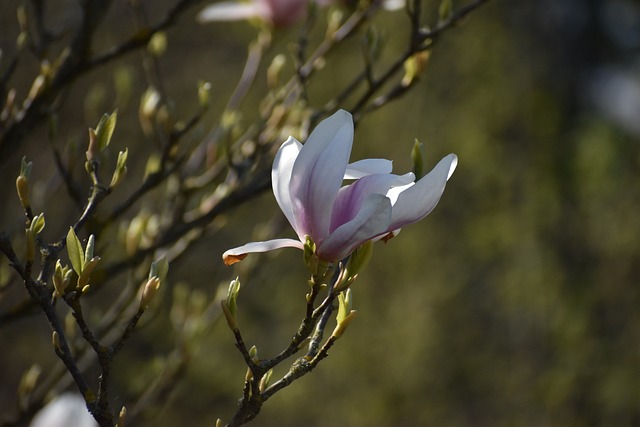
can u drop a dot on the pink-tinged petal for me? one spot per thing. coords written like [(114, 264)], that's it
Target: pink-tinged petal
[(318, 173), (372, 220), (234, 11), (351, 197), (418, 201), (357, 170), (238, 254), (281, 178), (284, 13)]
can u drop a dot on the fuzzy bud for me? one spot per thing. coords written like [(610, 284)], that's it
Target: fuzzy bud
[(149, 291), (22, 187)]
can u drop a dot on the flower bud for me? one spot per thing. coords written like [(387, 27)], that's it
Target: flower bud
[(28, 382), (157, 45), (22, 187), (92, 150), (274, 69), (122, 416), (55, 340), (149, 291)]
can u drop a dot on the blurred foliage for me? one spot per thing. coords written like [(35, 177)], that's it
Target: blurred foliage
[(516, 303)]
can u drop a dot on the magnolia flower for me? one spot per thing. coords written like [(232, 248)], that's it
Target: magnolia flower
[(67, 410), (307, 183), (280, 13)]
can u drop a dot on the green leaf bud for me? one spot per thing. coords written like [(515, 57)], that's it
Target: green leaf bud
[(445, 10), (105, 128), (121, 169), (264, 381), (204, 94), (28, 382), (345, 304), (159, 268), (37, 224), (74, 249), (417, 156), (22, 183), (273, 72), (230, 318), (360, 258), (309, 251), (345, 313), (342, 326), (232, 296), (88, 252), (83, 278), (157, 45), (61, 278)]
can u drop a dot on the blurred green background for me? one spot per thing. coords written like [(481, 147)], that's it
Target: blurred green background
[(515, 303)]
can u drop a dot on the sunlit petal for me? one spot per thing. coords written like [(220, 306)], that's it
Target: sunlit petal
[(418, 201), (238, 254), (372, 220), (233, 11), (318, 173), (281, 178)]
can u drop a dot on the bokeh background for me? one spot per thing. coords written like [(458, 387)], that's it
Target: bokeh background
[(515, 303)]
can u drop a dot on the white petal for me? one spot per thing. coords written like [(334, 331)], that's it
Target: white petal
[(232, 11), (67, 410), (418, 201), (281, 177), (366, 167), (393, 5), (318, 174), (372, 220), (237, 254)]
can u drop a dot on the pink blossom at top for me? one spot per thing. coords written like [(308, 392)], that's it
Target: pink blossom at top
[(308, 186), (280, 13)]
